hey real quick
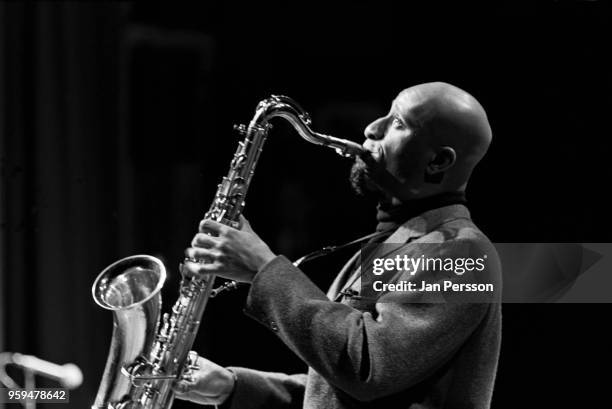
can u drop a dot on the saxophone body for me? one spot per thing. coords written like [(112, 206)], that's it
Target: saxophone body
[(149, 351)]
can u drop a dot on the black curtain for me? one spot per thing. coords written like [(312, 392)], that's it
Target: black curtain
[(61, 156)]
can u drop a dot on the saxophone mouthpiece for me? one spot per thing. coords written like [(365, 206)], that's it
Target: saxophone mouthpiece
[(354, 149)]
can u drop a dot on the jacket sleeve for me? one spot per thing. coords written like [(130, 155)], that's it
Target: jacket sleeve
[(367, 356), (257, 389)]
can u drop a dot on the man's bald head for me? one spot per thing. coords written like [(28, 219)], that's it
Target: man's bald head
[(449, 116), (431, 140)]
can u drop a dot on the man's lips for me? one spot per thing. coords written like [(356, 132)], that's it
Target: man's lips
[(373, 158), (377, 153)]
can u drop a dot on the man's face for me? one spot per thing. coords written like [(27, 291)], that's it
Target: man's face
[(398, 141)]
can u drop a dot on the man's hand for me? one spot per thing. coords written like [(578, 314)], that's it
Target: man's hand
[(209, 384), (227, 252)]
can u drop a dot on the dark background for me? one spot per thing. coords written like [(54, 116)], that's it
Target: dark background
[(115, 124)]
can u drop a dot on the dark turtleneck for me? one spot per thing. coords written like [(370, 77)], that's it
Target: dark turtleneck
[(392, 216)]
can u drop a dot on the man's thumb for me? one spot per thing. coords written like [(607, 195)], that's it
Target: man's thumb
[(245, 225)]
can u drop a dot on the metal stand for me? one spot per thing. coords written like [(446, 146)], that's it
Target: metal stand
[(30, 384)]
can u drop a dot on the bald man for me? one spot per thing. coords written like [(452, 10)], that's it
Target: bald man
[(384, 348)]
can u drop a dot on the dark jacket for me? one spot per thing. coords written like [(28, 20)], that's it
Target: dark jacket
[(388, 351)]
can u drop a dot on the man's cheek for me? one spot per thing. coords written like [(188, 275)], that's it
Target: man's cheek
[(410, 164)]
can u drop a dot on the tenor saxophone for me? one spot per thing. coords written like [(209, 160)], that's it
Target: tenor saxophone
[(147, 354)]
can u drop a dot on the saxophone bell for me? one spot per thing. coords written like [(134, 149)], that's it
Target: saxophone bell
[(131, 289)]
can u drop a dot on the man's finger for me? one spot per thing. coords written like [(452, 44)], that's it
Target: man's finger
[(193, 269), (201, 254), (204, 240), (212, 227)]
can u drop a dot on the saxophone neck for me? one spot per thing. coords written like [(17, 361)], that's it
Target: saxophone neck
[(286, 108)]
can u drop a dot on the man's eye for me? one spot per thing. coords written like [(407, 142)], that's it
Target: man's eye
[(397, 123)]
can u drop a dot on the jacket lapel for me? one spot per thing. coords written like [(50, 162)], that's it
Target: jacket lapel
[(412, 229)]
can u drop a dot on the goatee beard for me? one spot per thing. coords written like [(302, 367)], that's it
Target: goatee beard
[(360, 181)]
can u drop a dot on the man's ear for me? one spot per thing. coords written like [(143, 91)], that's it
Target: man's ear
[(440, 163)]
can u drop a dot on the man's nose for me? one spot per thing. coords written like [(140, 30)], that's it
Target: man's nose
[(375, 130)]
